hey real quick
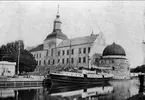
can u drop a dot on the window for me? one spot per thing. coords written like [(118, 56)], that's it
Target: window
[(89, 48), (63, 52), (79, 50), (67, 52), (72, 51), (34, 55), (58, 53), (113, 68), (53, 62), (37, 55), (63, 61), (84, 50), (37, 62), (84, 59), (58, 60), (79, 59), (51, 52), (72, 60), (44, 62), (96, 59), (48, 62), (47, 53), (128, 68), (67, 60), (40, 62), (40, 55)]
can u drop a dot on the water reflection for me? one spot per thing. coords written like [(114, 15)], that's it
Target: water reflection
[(116, 90), (80, 91), (29, 93)]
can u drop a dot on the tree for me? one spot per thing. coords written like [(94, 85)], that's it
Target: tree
[(9, 52), (139, 69)]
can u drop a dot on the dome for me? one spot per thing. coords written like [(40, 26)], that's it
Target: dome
[(57, 34), (114, 49)]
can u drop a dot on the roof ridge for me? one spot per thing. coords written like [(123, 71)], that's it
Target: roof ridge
[(84, 36)]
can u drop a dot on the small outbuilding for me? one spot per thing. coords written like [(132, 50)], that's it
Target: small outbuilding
[(7, 68)]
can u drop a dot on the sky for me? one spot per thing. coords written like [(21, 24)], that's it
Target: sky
[(120, 21)]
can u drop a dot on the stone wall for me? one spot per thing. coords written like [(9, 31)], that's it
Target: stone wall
[(120, 67)]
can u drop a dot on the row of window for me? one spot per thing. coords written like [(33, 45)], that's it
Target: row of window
[(67, 52), (63, 52), (72, 51), (37, 55), (80, 60)]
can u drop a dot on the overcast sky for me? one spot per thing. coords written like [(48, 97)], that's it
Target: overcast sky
[(32, 21)]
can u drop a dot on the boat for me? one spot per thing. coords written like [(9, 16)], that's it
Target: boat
[(83, 76)]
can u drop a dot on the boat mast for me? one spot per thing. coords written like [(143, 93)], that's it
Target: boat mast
[(70, 55), (19, 30), (18, 57)]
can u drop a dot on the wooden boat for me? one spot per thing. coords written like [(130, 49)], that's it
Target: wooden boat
[(82, 77)]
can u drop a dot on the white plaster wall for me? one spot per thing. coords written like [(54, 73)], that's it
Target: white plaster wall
[(7, 69)]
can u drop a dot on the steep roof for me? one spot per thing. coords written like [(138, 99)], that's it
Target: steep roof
[(38, 48), (78, 41), (57, 34)]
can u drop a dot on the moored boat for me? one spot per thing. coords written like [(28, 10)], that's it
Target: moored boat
[(81, 77)]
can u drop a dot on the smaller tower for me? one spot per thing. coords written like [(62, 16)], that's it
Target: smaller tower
[(56, 36), (57, 22)]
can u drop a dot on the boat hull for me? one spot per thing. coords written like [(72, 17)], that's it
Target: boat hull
[(65, 80)]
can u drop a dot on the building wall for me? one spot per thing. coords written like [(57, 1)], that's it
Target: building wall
[(51, 55), (79, 56), (120, 68), (39, 56), (7, 68)]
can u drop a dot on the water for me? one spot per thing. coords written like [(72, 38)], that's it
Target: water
[(116, 90)]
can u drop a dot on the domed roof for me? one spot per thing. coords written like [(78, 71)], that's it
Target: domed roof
[(57, 34), (114, 49)]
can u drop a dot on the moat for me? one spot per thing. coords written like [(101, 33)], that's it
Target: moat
[(116, 90)]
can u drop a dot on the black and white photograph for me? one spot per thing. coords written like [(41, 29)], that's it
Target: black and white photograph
[(72, 50)]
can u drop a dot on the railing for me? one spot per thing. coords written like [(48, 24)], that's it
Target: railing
[(20, 83)]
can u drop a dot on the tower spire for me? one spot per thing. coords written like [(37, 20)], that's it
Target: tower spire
[(92, 32), (58, 9), (57, 22)]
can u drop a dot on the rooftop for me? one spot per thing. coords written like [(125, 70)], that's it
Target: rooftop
[(38, 48), (78, 41)]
